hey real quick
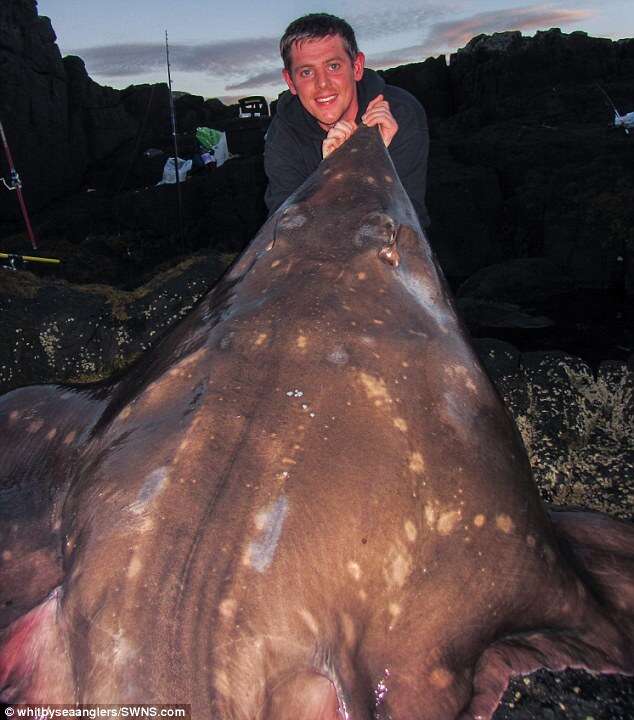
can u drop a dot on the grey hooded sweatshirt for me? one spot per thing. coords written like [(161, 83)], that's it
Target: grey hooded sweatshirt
[(292, 149)]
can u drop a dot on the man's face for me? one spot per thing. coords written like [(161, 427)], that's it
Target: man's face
[(324, 78)]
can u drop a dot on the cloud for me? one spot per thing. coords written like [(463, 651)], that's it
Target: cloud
[(269, 78), (456, 33), (226, 59), (381, 23), (448, 36), (253, 63), (400, 56)]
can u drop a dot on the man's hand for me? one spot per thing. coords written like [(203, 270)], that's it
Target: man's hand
[(378, 113), (337, 135)]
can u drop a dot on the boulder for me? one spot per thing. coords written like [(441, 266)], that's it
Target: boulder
[(33, 108), (428, 81), (56, 332), (525, 281)]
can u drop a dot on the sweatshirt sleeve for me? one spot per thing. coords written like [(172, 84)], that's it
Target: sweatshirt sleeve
[(283, 165)]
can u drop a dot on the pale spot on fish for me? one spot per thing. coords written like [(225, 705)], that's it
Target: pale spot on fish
[(275, 263), (416, 463), (152, 486), (363, 595), (261, 339), (13, 416), (375, 389), (349, 631), (310, 621), (134, 568), (70, 437), (430, 515), (504, 523), (410, 530), (400, 424), (338, 356), (125, 413), (269, 522), (221, 683), (394, 609), (291, 219), (369, 179), (441, 678), (51, 434), (448, 521), (479, 520), (362, 276), (388, 178), (354, 570), (397, 566), (7, 555), (35, 426), (530, 541), (301, 342), (228, 608)]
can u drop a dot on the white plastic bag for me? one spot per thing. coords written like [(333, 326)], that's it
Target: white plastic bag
[(169, 175)]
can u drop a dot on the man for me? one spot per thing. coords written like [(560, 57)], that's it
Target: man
[(331, 92)]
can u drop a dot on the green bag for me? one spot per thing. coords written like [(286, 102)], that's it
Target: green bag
[(208, 138)]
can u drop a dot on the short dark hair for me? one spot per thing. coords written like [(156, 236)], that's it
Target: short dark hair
[(314, 27)]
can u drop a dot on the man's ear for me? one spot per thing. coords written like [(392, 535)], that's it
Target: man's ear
[(289, 81), (358, 66)]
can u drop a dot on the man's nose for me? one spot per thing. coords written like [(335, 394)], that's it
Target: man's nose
[(321, 78)]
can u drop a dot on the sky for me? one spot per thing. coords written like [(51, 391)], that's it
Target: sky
[(229, 50)]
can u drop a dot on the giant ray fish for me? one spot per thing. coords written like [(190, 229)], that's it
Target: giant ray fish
[(306, 502)]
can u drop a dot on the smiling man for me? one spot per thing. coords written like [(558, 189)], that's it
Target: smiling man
[(330, 93)]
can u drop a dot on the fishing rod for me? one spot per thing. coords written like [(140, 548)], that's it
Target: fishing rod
[(15, 260), (618, 116), (173, 118), (609, 99), (16, 184)]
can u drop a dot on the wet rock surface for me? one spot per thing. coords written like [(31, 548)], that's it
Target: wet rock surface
[(52, 331), (570, 695)]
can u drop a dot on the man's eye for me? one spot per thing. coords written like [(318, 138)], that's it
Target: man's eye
[(304, 73), (335, 66)]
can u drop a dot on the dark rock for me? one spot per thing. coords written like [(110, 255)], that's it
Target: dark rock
[(498, 357), (578, 429), (428, 81), (61, 124), (524, 281), (482, 314), (33, 107), (487, 69), (571, 695), (465, 203), (53, 331)]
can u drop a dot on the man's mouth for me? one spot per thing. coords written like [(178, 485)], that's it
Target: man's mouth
[(325, 100)]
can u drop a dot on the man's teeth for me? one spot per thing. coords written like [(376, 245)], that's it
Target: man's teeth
[(325, 100)]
